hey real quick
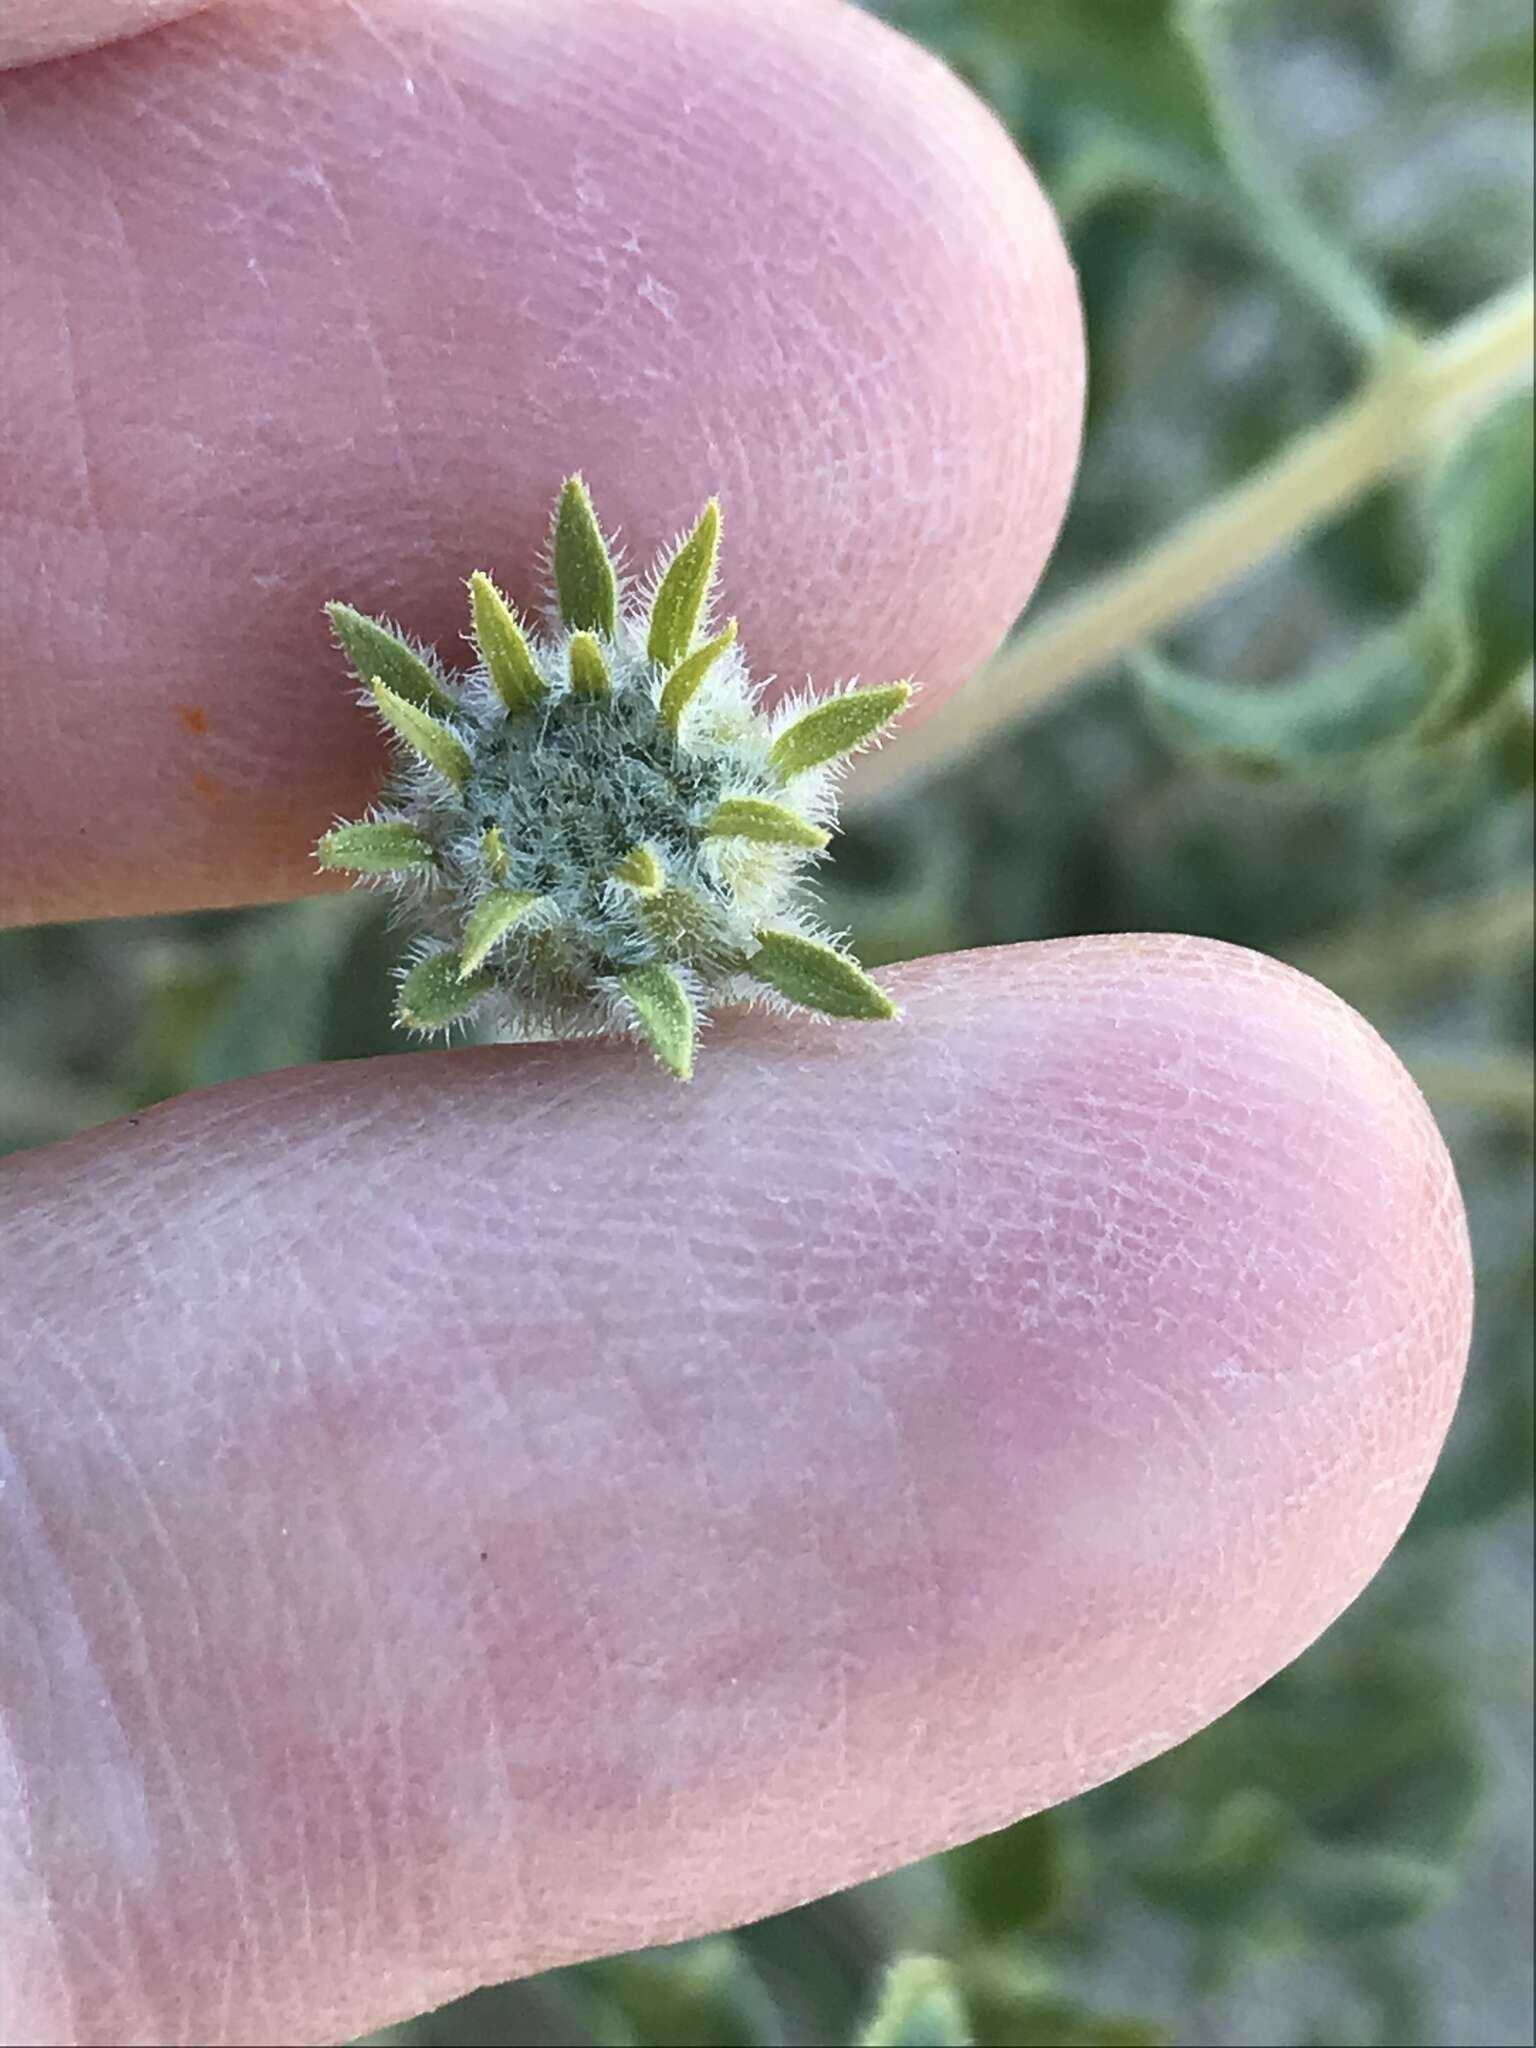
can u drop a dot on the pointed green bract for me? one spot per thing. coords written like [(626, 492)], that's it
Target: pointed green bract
[(439, 747), (374, 849), (682, 685), (684, 591), (750, 817), (589, 671), (817, 977), (488, 923), (374, 651), (500, 640), (665, 1015), (836, 727), (493, 851), (433, 994), (641, 869), (584, 578)]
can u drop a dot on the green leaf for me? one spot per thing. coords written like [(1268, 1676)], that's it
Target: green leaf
[(433, 994), (584, 578), (437, 745), (1338, 284), (699, 1994), (684, 591), (920, 2007), (1116, 165), (1016, 2002), (489, 922), (1336, 719), (1480, 506), (1449, 662), (1342, 1895), (840, 726), (1233, 1869), (1066, 2023), (388, 849), (500, 640), (684, 682), (815, 976), (1019, 1876), (750, 817), (589, 671), (375, 651), (665, 1015)]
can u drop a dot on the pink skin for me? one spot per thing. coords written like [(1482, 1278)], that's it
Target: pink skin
[(482, 1511), (464, 1514), (314, 300), (33, 30)]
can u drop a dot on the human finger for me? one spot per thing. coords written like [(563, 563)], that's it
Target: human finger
[(34, 31), (312, 299), (467, 1513)]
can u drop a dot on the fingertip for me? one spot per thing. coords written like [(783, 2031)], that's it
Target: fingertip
[(833, 295), (913, 1427)]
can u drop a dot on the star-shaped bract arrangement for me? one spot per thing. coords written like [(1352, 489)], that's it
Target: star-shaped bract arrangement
[(598, 828)]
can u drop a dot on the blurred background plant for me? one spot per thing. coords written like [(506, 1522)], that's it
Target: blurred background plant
[(1303, 229)]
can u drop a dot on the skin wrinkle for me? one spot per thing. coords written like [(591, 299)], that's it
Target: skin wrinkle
[(34, 30), (47, 1625), (886, 396), (916, 1519)]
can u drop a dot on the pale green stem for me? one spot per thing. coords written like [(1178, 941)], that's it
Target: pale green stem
[(1416, 399)]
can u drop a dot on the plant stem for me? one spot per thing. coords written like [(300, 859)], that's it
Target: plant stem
[(1415, 400)]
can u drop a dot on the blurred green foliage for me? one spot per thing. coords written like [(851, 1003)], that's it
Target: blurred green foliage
[(1331, 762)]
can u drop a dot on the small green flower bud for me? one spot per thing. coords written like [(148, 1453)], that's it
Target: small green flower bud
[(597, 827)]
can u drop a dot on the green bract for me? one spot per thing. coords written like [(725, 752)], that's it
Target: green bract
[(598, 828)]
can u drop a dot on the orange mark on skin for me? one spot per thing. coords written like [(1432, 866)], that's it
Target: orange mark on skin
[(209, 788), (194, 718)]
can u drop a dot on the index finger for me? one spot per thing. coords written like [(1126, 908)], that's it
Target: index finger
[(329, 298)]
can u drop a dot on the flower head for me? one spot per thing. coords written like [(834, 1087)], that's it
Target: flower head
[(597, 828)]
